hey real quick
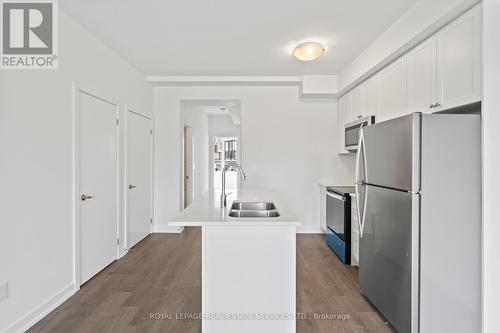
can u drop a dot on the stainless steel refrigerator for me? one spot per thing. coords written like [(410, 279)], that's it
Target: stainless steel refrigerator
[(418, 193)]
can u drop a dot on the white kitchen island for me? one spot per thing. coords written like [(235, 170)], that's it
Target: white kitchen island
[(248, 265)]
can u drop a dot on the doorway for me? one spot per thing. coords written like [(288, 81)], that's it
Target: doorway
[(207, 128), (188, 165), (96, 185)]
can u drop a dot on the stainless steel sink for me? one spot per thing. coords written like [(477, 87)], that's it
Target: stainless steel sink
[(253, 205), (254, 213), (260, 209)]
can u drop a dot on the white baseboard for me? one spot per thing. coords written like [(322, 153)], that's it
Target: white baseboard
[(167, 229), (33, 317), (123, 253), (310, 230)]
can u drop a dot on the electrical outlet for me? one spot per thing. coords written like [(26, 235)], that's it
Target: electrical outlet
[(4, 291)]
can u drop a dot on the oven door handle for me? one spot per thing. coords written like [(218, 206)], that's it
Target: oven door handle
[(335, 196)]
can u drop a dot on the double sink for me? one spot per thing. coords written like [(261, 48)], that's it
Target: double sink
[(253, 209)]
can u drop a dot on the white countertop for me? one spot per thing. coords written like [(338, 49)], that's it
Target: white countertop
[(206, 210), (327, 184)]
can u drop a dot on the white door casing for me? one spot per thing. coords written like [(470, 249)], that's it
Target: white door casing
[(97, 178), (139, 181)]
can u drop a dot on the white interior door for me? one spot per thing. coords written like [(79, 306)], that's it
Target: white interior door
[(97, 149), (138, 178)]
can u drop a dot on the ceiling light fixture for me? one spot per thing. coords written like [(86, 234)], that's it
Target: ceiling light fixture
[(308, 51)]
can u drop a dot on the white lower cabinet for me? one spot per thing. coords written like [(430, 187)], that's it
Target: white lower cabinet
[(354, 233)]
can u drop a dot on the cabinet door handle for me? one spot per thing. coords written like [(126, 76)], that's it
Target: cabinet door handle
[(437, 105), (432, 106)]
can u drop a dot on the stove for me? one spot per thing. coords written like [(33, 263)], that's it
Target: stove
[(338, 221)]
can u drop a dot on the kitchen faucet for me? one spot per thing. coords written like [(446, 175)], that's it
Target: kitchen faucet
[(223, 197)]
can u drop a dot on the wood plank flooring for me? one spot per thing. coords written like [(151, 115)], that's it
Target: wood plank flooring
[(161, 276)]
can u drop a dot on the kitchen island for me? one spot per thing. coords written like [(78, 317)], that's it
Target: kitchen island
[(248, 264)]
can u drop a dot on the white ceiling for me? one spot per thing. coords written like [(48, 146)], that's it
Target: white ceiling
[(235, 37)]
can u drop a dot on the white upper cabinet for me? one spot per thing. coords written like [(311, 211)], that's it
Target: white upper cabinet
[(356, 103), (392, 91), (459, 61), (422, 77), (344, 114), (440, 73), (370, 92)]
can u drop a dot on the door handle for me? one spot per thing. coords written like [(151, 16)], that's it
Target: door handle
[(85, 197), (130, 187)]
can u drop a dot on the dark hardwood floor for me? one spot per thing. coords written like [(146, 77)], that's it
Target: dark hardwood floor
[(162, 276)]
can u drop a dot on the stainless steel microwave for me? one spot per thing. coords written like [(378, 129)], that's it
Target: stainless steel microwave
[(352, 132)]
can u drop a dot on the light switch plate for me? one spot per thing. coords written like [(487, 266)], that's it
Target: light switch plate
[(4, 291)]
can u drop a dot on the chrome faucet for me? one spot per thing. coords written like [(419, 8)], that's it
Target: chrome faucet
[(223, 197)]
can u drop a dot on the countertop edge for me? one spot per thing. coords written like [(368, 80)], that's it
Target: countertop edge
[(266, 223)]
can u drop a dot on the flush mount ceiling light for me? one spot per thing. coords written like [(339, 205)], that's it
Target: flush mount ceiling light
[(308, 51)]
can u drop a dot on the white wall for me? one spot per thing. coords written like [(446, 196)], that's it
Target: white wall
[(36, 245), (288, 145), (491, 166), (198, 121), (422, 20), (222, 125)]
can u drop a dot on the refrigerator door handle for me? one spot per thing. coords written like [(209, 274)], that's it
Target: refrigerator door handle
[(359, 182), (364, 212)]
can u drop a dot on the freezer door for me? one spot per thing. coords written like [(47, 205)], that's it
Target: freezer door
[(392, 150), (388, 256)]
